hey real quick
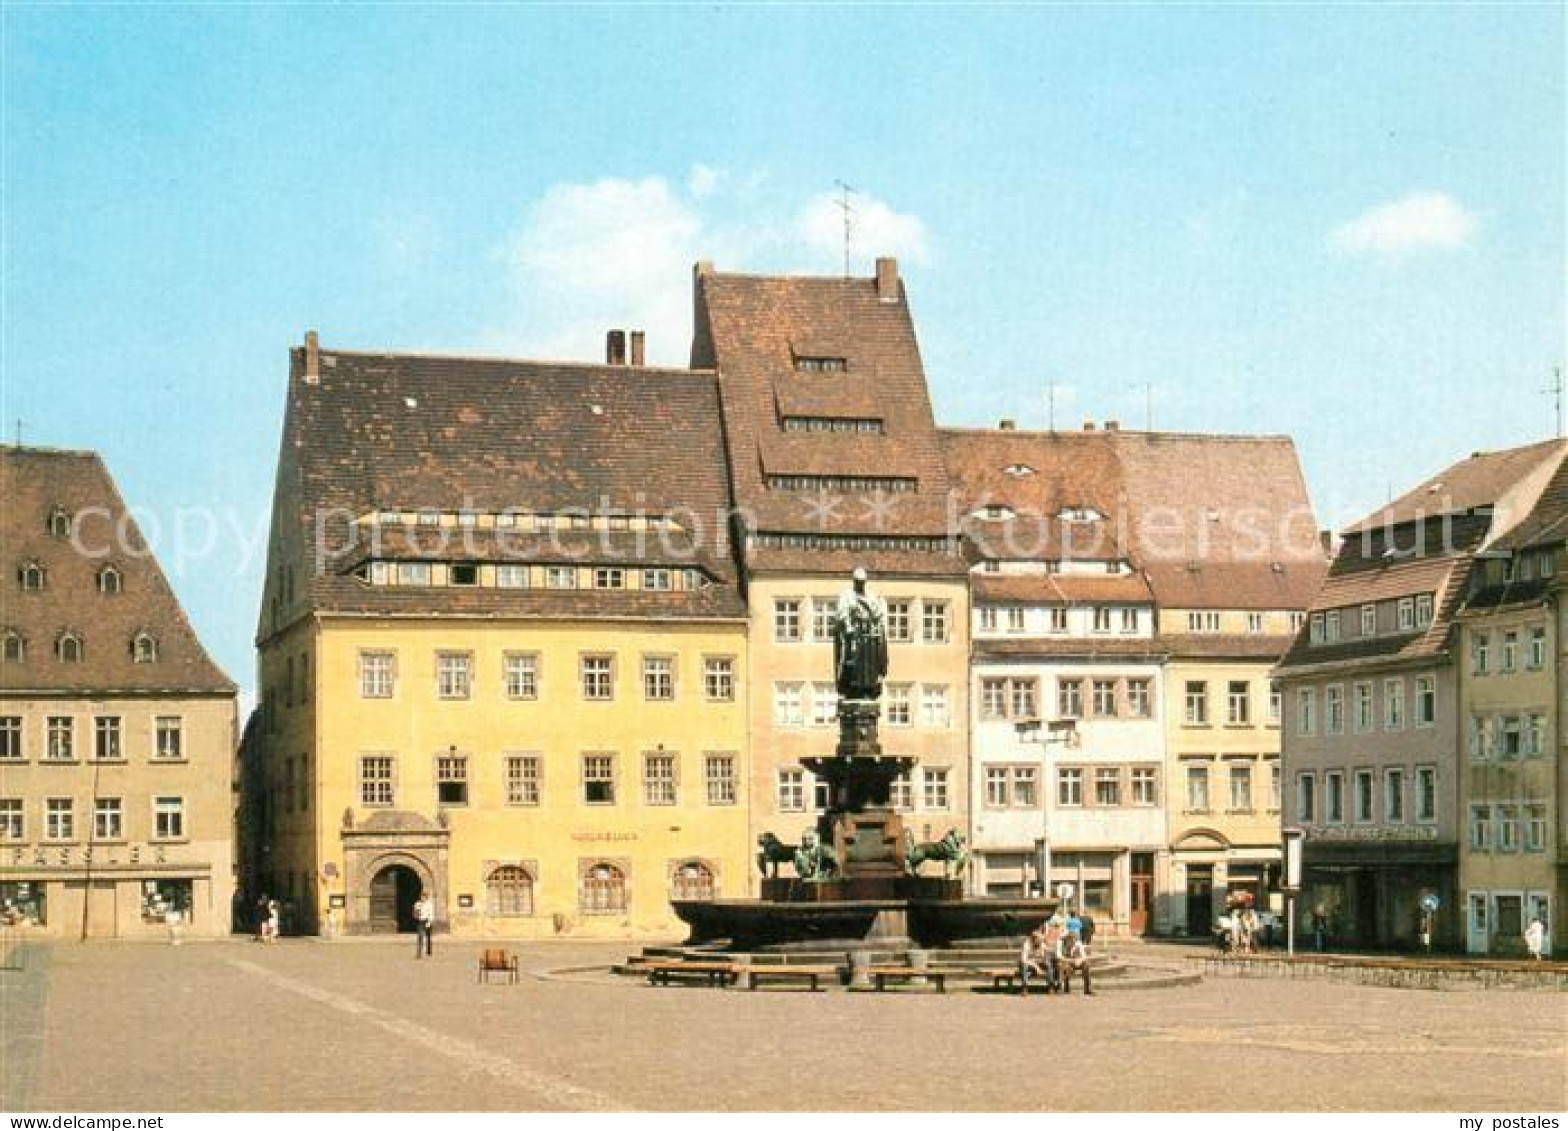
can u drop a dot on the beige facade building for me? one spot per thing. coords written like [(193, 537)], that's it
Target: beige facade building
[(835, 463), (117, 731)]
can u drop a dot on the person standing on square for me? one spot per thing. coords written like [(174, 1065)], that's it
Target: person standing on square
[(424, 921)]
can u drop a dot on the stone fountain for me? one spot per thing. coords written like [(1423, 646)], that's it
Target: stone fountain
[(856, 881)]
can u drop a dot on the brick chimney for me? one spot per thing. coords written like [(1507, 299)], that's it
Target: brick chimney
[(1089, 426), (312, 358), (615, 347), (887, 279), (639, 341), (1006, 426), (1113, 425)]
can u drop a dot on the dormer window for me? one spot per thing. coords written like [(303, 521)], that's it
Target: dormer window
[(995, 512), (69, 648), (109, 581), (821, 365), (1079, 514), (1018, 470), (32, 576), (59, 522), (144, 648), (13, 647), (464, 574)]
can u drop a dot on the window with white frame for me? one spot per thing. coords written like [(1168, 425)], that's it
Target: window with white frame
[(1276, 704), (933, 621), (560, 577), (1240, 788), (1140, 698), (1102, 698), (1129, 620), (934, 789), (792, 790), (1254, 624), (1534, 736), (1426, 701), (598, 779), (786, 620), (1363, 707), (1107, 786), (13, 823), (452, 779), (824, 704), (1510, 657), (1276, 788), (1536, 659), (900, 704), (106, 739), (718, 679), (1480, 828), (454, 675), (1197, 703), (1368, 620), (596, 675), (1393, 704), (988, 619), (376, 781), (899, 623), (522, 775), (377, 674), (11, 748), (609, 577), (1306, 798), (1102, 619), (1069, 698), (1197, 787), (1406, 616), (789, 709), (1508, 828), (60, 733), (1333, 709), (1069, 787), (1015, 619), (1424, 610), (658, 678), (1363, 797), (1203, 622), (1331, 627), (59, 818), (1315, 635), (658, 778), (1535, 828), (1480, 653), (933, 705), (168, 818), (1056, 620), (511, 577), (1394, 796), (658, 580), (1145, 790), (1426, 794), (520, 675), (1334, 797), (823, 612), (1306, 710), (1238, 702), (108, 818)]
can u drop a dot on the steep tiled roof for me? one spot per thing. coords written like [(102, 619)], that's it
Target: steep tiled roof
[(752, 329), (1225, 646), (1546, 523), (1064, 589), (1214, 522), (1485, 479), (34, 482), (409, 432), (1071, 647)]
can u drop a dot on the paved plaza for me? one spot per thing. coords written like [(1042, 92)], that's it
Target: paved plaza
[(364, 1026)]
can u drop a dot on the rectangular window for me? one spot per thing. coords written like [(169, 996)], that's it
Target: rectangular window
[(1363, 797), (718, 679), (1129, 620), (1426, 701), (1015, 620), (168, 818), (59, 818), (1023, 698), (900, 704), (1140, 699), (1480, 653), (11, 738), (1197, 703), (823, 612), (511, 577), (988, 620), (1197, 789), (1306, 798), (1306, 710), (996, 779), (413, 573), (1102, 619), (454, 675), (452, 779), (1535, 736), (1144, 791), (521, 675), (934, 788), (1363, 693), (1334, 796), (1203, 622), (377, 674), (1056, 620), (1238, 703), (13, 826), (933, 706), (1103, 698), (1368, 620), (1316, 631), (719, 773), (1424, 610), (933, 622), (1394, 796), (902, 795), (792, 791), (1069, 787), (106, 739), (993, 698), (560, 577), (1025, 792), (1107, 786), (599, 779), (1407, 614), (1535, 828), (61, 731), (899, 625), (108, 819), (597, 675), (657, 580), (1254, 624), (1331, 627), (375, 781), (1480, 828), (463, 573), (1334, 709), (824, 704), (1508, 828), (658, 678), (1426, 794), (1069, 698), (786, 620), (789, 708), (1240, 789), (1537, 657), (522, 773), (821, 795), (609, 577), (1510, 652), (658, 779), (1276, 789), (1393, 704)]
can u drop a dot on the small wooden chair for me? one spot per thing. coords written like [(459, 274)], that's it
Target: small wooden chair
[(497, 961)]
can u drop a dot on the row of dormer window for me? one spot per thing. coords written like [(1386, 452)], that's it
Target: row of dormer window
[(71, 648), (33, 577), (1409, 614), (517, 575), (572, 518)]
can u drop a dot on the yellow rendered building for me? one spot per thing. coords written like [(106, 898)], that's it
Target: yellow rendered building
[(503, 650)]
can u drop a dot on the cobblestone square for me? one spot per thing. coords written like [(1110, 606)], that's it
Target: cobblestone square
[(304, 1025)]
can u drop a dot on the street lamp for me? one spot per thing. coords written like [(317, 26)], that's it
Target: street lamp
[(1057, 732)]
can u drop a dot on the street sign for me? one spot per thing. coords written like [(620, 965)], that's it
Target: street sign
[(1293, 839), (1430, 902)]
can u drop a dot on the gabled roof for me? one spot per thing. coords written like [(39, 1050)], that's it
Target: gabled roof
[(35, 482), (1546, 522), (408, 432), (1483, 480), (753, 330)]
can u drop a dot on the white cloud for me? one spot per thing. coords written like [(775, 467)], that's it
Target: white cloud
[(1421, 221), (875, 230), (619, 253)]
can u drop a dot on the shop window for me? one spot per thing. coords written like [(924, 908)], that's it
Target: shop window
[(166, 901), (22, 902)]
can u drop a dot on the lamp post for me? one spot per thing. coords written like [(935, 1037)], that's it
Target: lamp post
[(1057, 732)]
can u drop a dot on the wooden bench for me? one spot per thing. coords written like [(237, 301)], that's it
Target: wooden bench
[(497, 962), (714, 973), (814, 974), (1008, 979), (880, 975)]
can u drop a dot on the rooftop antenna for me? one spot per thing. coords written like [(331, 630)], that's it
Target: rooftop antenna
[(1148, 406), (1050, 406), (848, 209), (1556, 389), (19, 431)]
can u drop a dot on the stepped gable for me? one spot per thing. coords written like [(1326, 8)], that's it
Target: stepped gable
[(98, 533)]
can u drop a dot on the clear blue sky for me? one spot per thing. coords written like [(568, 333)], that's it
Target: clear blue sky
[(1344, 224)]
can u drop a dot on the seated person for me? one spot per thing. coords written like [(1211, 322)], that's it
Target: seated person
[(1072, 955), (1034, 959)]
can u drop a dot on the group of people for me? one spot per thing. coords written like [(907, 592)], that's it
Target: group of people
[(1236, 932), (1055, 951), (269, 920)]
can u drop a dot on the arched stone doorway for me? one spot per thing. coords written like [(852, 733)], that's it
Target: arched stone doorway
[(393, 892)]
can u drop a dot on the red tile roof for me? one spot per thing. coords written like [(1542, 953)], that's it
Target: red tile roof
[(1482, 480), (33, 483)]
